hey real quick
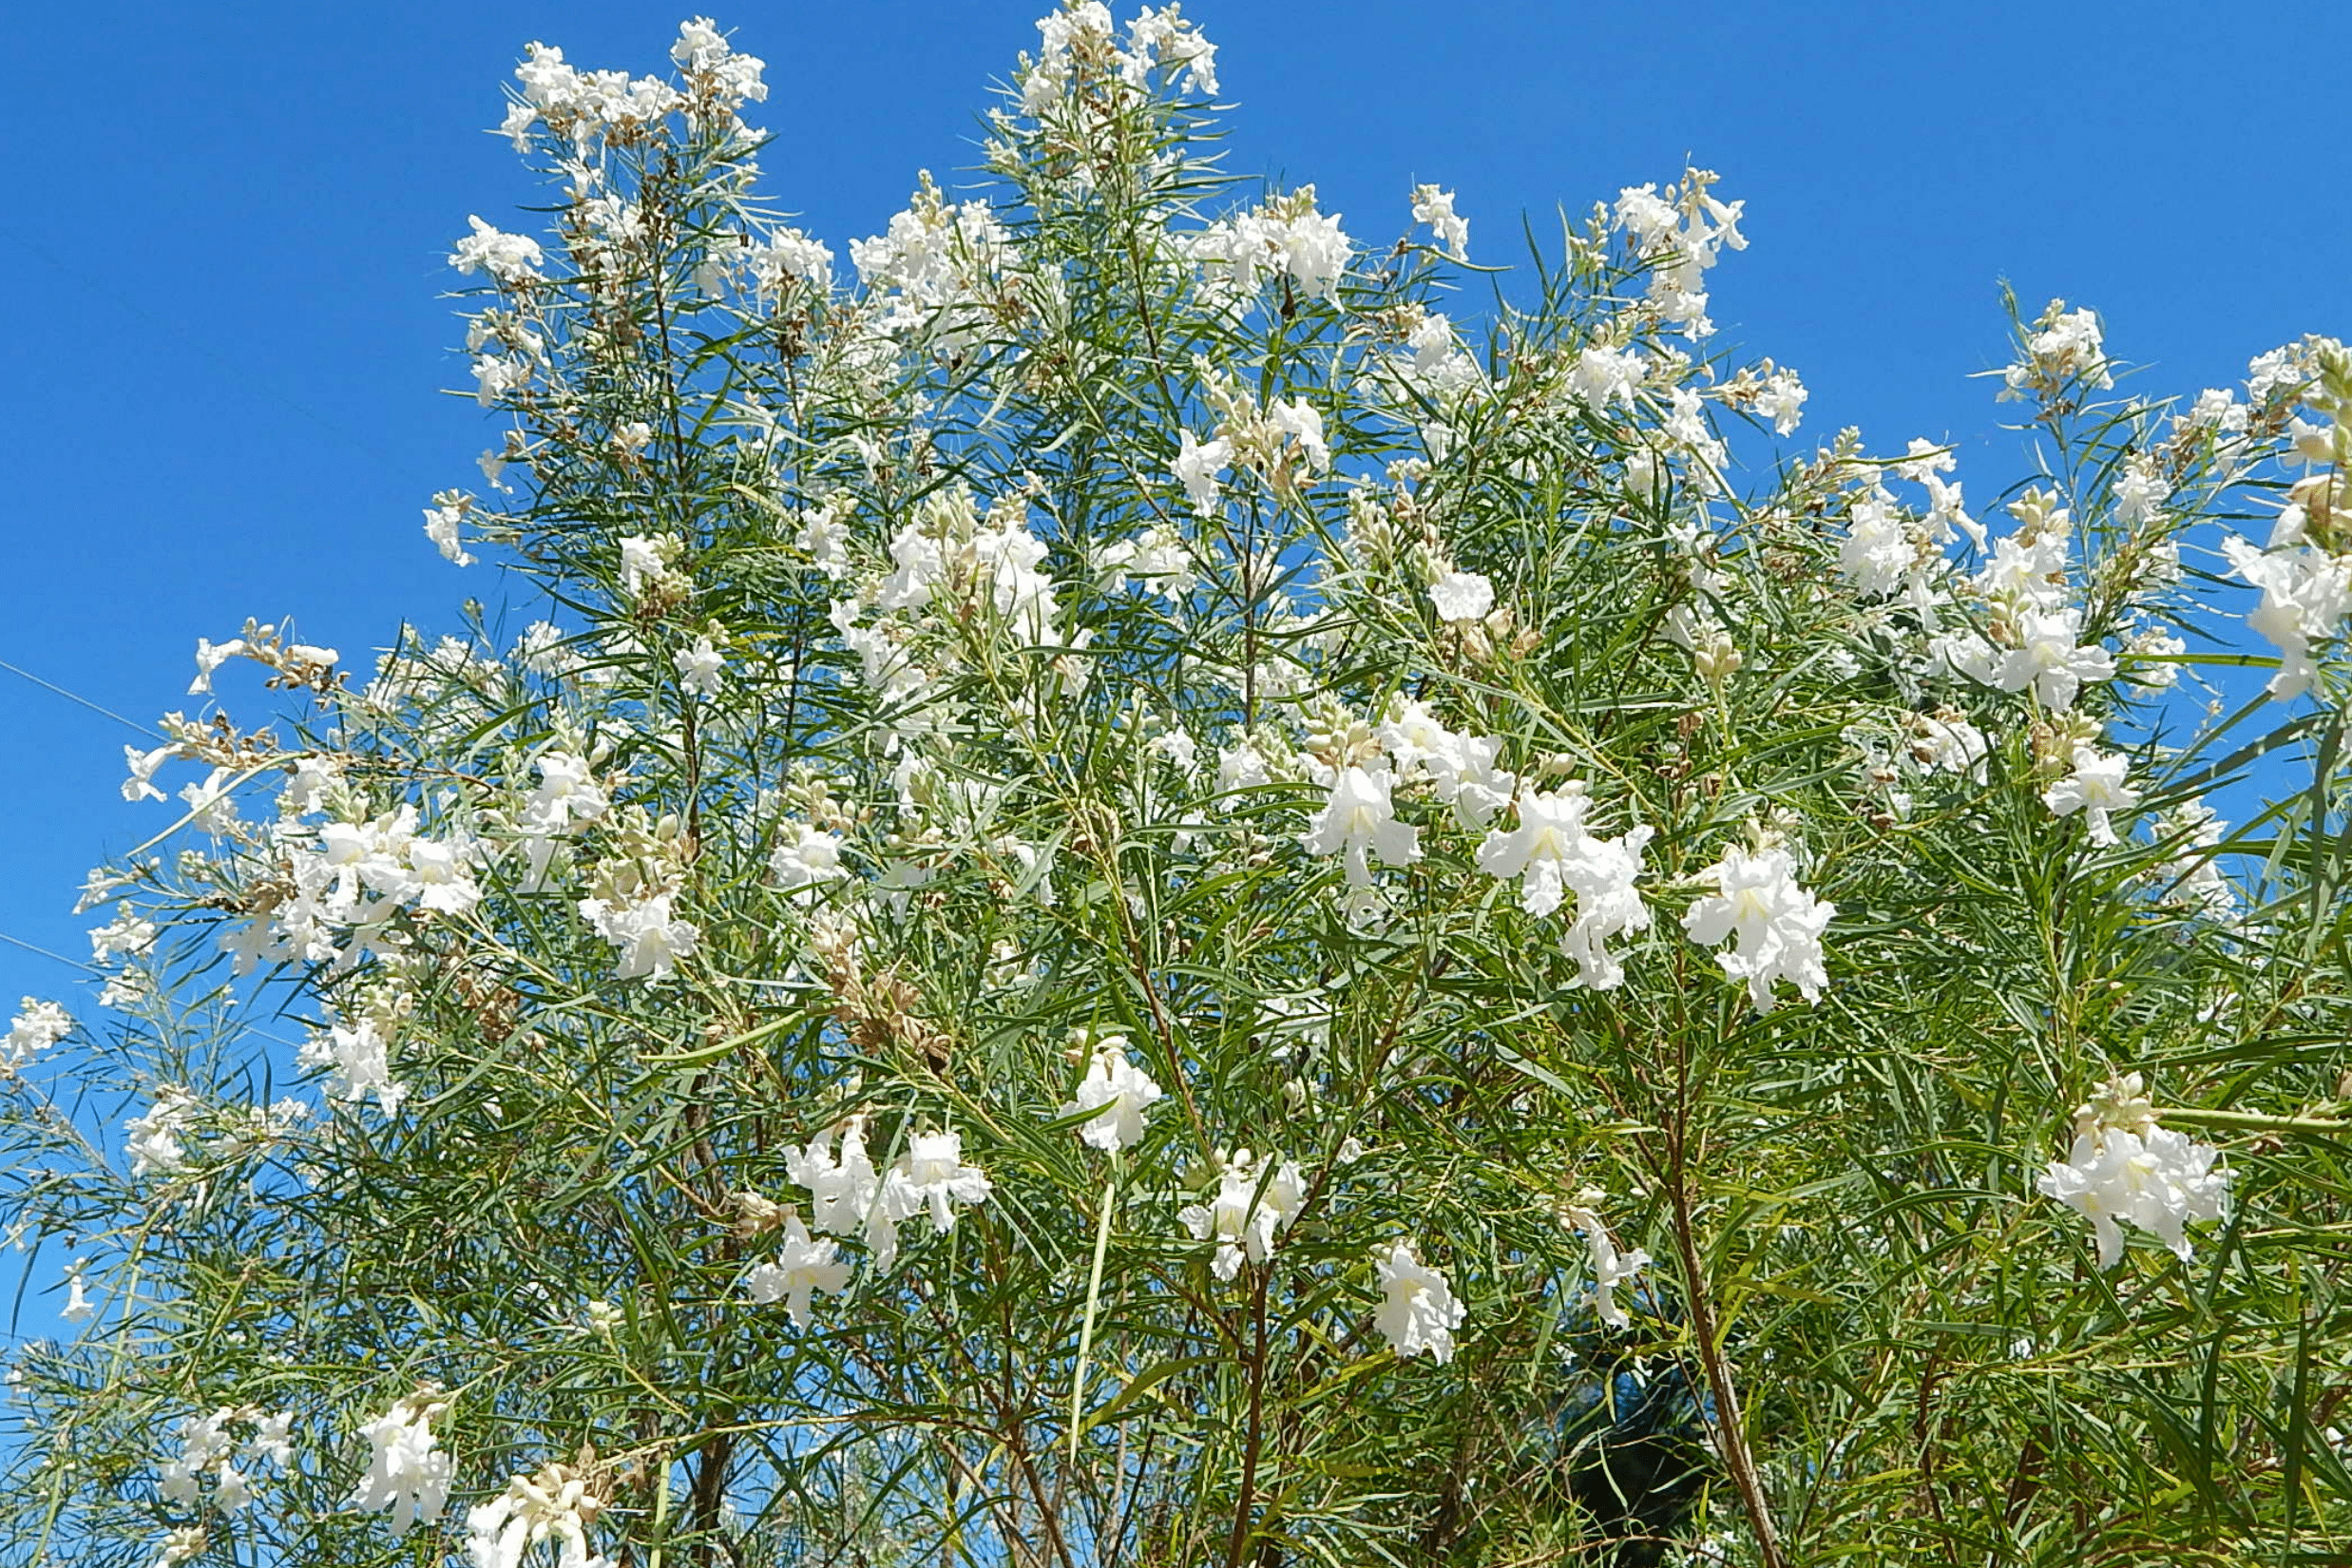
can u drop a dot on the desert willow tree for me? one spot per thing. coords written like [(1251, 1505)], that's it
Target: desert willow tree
[(1138, 905)]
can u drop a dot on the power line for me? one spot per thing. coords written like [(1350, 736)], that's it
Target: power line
[(75, 696)]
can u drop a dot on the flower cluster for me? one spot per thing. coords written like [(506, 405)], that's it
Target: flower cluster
[(1775, 924), (406, 1474), (2065, 354), (849, 1196), (1552, 854), (2122, 1166), (36, 1027), (1679, 235), (1080, 45), (1255, 1197), (559, 1504), (1116, 1092), (209, 1450)]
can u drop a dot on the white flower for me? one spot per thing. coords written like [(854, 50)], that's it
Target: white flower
[(497, 375), (649, 937), (1286, 235), (1359, 821), (1118, 1091), (78, 1306), (649, 563), (1298, 420), (184, 1543), (36, 1027), (2306, 596), (1178, 747), (801, 1265), (2095, 788), (1254, 1199), (1415, 739), (204, 1441), (2049, 659), (1434, 363), (1465, 776), (361, 1059), (554, 1504), (507, 257), (125, 933), (2191, 878), (305, 792), (1552, 854), (699, 668), (630, 440), (154, 1146), (840, 1189), (404, 1473), (1603, 375), (2154, 653), (1782, 401), (1436, 208), (1462, 597), (1175, 42), (804, 856), (931, 1171), (210, 656), (1196, 466), (2123, 1167), (788, 256), (1550, 831), (1947, 742), (568, 793), (1882, 551), (141, 785), (1417, 1312), (1778, 925), (211, 808), (273, 1439), (1611, 1268), (701, 50), (2064, 352)]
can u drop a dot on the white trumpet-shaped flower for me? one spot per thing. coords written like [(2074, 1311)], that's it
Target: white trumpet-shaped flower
[(2122, 1166), (1418, 1310), (1611, 1268), (1118, 1091), (2096, 788), (1553, 855), (840, 1189), (803, 1266), (1254, 1199), (1359, 821), (405, 1475), (1776, 926)]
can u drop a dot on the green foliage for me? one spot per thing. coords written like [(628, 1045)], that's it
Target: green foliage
[(1863, 1334)]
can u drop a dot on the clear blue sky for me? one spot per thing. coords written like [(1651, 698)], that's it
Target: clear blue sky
[(225, 239)]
